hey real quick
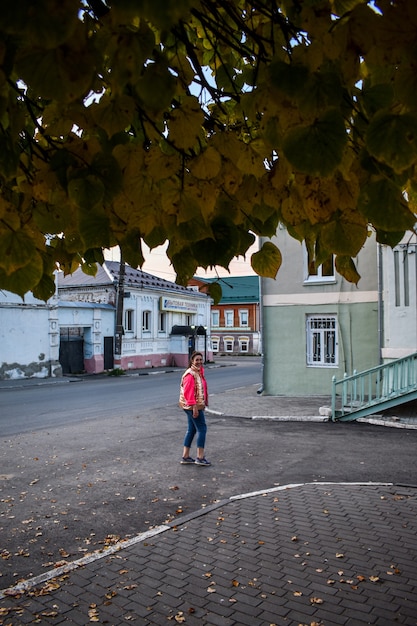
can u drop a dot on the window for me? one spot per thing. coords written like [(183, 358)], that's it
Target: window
[(146, 320), (215, 318), (318, 273), (162, 322), (215, 344), (243, 344), (129, 320), (228, 344), (243, 317), (228, 318), (322, 340), (401, 277)]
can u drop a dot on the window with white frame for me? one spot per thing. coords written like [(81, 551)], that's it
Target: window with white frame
[(243, 317), (313, 273), (228, 343), (215, 318), (162, 324), (243, 344), (146, 321), (129, 320), (402, 275), (322, 350), (215, 343), (228, 318)]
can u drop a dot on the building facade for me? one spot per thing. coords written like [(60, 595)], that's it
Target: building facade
[(398, 271), (160, 320), (317, 325), (235, 320)]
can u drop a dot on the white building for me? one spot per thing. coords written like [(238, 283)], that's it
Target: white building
[(74, 331), (399, 301), (161, 320)]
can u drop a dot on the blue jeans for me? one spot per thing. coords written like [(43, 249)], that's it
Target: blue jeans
[(195, 425)]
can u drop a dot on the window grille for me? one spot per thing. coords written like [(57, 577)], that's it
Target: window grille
[(322, 340)]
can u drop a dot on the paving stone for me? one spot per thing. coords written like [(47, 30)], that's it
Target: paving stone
[(374, 527)]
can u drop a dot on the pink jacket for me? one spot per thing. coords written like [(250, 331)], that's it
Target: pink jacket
[(189, 392)]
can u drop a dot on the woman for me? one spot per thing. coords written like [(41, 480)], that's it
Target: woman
[(194, 399)]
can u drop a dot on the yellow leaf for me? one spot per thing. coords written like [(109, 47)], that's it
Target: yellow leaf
[(207, 164), (114, 114), (267, 261), (186, 123)]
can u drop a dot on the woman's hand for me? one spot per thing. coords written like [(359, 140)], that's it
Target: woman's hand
[(195, 411)]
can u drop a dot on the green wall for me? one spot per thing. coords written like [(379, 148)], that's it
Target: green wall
[(284, 347)]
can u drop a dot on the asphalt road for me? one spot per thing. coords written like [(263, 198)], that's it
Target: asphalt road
[(28, 408), (71, 489)]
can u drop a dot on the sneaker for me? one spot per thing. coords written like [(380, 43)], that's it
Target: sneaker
[(187, 460), (202, 462)]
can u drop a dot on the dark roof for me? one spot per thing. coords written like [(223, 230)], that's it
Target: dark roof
[(108, 274), (236, 289)]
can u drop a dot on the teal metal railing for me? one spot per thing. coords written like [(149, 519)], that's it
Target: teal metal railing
[(375, 389)]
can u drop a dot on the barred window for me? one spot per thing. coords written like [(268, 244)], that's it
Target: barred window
[(322, 340)]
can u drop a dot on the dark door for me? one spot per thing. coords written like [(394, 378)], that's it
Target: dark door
[(71, 355), (108, 353)]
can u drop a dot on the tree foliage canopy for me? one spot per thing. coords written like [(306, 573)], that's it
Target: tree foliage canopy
[(204, 123)]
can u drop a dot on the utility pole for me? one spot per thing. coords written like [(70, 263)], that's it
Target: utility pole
[(119, 315)]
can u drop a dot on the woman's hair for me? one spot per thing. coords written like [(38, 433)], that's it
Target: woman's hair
[(194, 354)]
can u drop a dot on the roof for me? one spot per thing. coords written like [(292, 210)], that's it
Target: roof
[(108, 274), (236, 289)]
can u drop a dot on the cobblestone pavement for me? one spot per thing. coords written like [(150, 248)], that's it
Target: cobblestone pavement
[(322, 554)]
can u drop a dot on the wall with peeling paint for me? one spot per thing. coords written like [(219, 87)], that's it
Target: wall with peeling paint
[(29, 337)]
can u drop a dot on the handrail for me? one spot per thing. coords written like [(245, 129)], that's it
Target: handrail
[(384, 386)]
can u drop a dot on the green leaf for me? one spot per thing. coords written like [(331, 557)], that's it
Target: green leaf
[(318, 148), (289, 78), (393, 139), (340, 7), (25, 278), (94, 229), (267, 261), (86, 192), (389, 239), (18, 249), (384, 206), (156, 87), (61, 74), (131, 247), (344, 238), (114, 114), (346, 268), (322, 90), (45, 288), (377, 97), (215, 291)]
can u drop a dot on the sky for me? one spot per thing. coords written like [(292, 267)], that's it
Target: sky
[(158, 264)]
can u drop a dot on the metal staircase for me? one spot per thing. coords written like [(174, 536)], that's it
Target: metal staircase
[(374, 390)]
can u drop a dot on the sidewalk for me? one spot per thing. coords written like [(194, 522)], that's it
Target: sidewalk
[(315, 554)]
